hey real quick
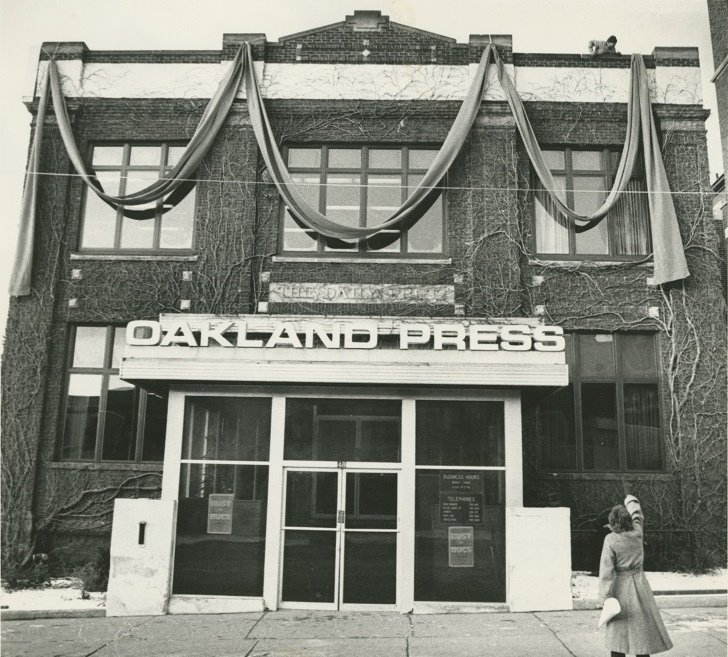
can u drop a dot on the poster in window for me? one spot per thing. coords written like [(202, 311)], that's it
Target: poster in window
[(220, 513), (461, 498), (460, 547)]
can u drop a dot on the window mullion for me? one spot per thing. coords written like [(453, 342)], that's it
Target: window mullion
[(123, 173), (363, 193), (569, 173), (158, 214), (139, 420), (323, 196), (621, 437), (106, 373), (404, 193), (578, 428), (609, 181)]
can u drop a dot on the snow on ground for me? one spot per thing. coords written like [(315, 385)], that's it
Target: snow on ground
[(62, 594), (586, 587), (583, 587)]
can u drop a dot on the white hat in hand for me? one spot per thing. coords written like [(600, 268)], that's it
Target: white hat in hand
[(610, 610)]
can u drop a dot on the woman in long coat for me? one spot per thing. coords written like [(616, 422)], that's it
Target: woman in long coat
[(638, 628)]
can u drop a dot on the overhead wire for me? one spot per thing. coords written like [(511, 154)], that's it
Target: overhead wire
[(50, 174)]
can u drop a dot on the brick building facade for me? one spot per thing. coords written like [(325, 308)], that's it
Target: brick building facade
[(427, 466), (718, 18)]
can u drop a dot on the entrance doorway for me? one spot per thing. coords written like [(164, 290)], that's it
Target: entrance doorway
[(339, 537)]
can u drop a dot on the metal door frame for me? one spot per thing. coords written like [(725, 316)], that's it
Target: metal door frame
[(341, 468)]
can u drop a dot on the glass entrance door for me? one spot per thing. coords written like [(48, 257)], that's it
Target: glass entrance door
[(339, 538)]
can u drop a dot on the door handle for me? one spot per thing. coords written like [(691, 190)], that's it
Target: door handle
[(340, 516)]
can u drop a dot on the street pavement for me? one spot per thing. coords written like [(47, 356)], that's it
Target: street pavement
[(695, 631)]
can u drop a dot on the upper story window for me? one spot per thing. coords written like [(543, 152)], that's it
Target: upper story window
[(362, 186), (608, 418), (106, 418), (584, 178), (125, 169)]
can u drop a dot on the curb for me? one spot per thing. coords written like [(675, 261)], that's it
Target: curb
[(664, 599), (28, 614)]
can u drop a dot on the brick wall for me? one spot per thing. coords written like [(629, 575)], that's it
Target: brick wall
[(490, 260)]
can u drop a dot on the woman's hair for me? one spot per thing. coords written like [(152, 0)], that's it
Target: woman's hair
[(619, 519)]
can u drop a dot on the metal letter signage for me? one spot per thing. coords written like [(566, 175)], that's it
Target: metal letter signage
[(350, 334)]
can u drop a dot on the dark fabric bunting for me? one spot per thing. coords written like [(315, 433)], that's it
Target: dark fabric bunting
[(669, 255), (22, 270), (173, 187), (668, 252), (421, 198)]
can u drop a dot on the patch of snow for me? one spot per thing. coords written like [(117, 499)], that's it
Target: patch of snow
[(65, 593), (586, 587)]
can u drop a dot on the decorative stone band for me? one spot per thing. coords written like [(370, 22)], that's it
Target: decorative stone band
[(432, 82), (360, 293)]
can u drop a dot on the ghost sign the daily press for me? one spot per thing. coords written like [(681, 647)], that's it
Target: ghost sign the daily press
[(364, 334)]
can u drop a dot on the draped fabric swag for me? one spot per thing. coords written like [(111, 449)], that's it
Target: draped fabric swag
[(669, 257)]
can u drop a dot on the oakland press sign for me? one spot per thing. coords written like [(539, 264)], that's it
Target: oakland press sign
[(364, 334)]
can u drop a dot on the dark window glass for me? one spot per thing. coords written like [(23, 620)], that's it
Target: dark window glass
[(362, 187), (309, 571), (123, 170), (119, 442), (370, 568), (106, 418), (618, 407), (155, 427), (642, 426), (82, 416), (371, 500), (555, 417), (637, 356), (583, 179), (460, 433), (343, 430), (221, 521), (227, 428), (460, 536), (599, 426), (596, 355)]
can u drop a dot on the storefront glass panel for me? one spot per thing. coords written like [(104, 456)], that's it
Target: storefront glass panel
[(461, 433), (340, 537), (309, 555), (343, 430), (221, 516), (221, 525), (309, 570), (460, 508), (227, 429), (370, 568), (460, 536)]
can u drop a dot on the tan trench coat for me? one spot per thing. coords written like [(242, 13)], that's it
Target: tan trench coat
[(638, 628)]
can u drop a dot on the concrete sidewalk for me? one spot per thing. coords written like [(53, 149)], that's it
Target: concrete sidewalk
[(696, 632)]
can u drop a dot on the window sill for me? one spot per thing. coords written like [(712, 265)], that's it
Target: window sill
[(136, 256), (590, 264), (106, 465), (607, 476), (361, 260)]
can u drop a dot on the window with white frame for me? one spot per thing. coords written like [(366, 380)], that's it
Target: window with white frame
[(124, 169), (362, 186), (608, 418), (107, 419)]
